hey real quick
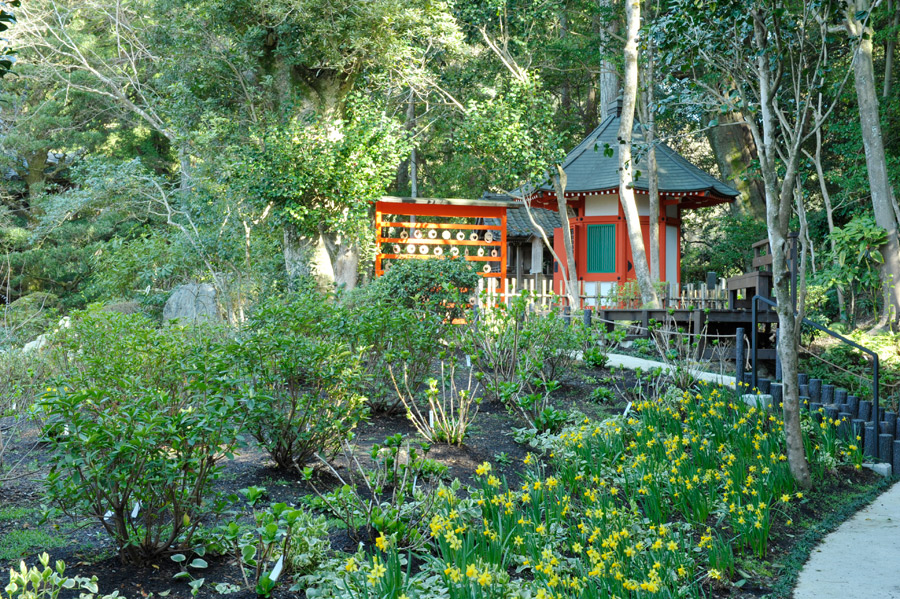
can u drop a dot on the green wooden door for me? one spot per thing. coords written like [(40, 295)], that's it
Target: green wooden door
[(601, 248)]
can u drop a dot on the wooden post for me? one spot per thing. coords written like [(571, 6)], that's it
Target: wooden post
[(520, 263)]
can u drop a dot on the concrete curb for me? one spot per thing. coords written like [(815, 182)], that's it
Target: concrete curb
[(632, 363)]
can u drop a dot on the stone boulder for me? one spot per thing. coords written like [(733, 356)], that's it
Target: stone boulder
[(192, 303)]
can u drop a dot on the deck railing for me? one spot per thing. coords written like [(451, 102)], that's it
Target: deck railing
[(543, 294)]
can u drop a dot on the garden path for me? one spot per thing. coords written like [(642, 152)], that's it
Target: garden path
[(633, 363), (860, 559)]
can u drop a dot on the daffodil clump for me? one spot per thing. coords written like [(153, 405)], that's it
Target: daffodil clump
[(655, 503)]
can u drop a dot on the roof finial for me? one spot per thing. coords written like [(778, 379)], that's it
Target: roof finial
[(614, 108)]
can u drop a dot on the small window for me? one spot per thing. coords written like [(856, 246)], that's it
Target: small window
[(601, 248)]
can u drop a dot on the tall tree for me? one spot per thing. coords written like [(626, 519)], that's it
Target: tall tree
[(772, 59), (626, 166), (610, 85), (647, 109), (734, 148), (857, 22)]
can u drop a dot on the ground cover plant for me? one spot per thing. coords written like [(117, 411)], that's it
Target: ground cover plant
[(663, 501)]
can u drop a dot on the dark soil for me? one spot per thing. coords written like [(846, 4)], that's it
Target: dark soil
[(87, 550)]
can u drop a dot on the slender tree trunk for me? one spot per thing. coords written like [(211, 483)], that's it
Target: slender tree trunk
[(778, 212), (889, 47), (876, 164), (829, 211), (626, 166), (570, 274), (653, 176)]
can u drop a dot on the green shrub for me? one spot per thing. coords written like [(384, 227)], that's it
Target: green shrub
[(596, 357), (23, 379), (519, 354), (139, 451), (433, 285), (304, 380), (388, 335)]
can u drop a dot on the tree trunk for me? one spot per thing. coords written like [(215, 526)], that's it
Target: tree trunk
[(570, 274), (35, 175), (327, 258), (778, 212), (654, 219), (889, 47), (735, 151), (829, 212), (876, 164), (609, 75), (626, 166)]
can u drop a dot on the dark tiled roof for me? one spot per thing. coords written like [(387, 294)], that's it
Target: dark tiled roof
[(594, 165), (519, 227)]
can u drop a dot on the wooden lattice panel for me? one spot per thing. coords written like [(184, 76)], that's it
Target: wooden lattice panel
[(404, 239)]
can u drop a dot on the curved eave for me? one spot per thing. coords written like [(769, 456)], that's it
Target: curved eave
[(687, 199)]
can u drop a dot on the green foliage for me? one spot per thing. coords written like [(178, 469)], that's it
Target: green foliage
[(390, 332), (722, 244), (321, 173), (520, 354), (144, 265), (451, 407), (602, 395), (510, 139), (283, 540), (437, 286), (48, 582), (136, 430), (394, 497), (844, 366), (596, 357), (856, 261), (303, 394)]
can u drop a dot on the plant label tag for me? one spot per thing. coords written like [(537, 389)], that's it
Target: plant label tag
[(627, 409), (468, 362), (136, 510), (276, 571)]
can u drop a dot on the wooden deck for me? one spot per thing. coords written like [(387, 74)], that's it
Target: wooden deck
[(705, 324)]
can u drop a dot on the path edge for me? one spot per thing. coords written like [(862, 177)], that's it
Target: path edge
[(794, 561)]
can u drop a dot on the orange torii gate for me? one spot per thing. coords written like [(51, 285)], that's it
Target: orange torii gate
[(422, 238)]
